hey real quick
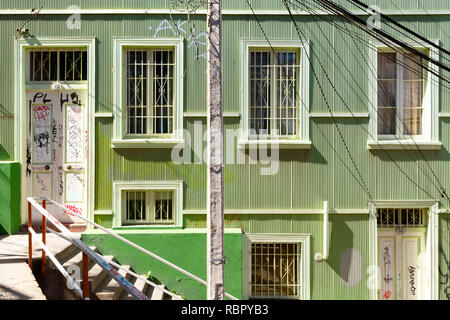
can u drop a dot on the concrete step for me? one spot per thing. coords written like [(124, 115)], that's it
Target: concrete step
[(96, 275), (140, 284), (157, 294), (63, 256), (110, 288), (77, 260)]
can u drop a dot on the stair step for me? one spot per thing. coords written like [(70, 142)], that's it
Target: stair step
[(141, 285), (96, 275), (77, 260), (111, 290), (157, 294), (63, 256)]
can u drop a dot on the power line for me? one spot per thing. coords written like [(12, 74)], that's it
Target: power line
[(402, 27), (382, 36), (361, 183), (440, 189), (301, 36)]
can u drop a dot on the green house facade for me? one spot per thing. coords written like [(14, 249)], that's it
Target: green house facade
[(327, 129)]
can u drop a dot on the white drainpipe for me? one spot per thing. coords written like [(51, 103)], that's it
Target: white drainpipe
[(319, 257)]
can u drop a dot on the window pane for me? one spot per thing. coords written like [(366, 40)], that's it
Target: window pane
[(137, 92), (163, 83), (163, 207), (274, 270), (387, 65), (135, 206), (386, 120)]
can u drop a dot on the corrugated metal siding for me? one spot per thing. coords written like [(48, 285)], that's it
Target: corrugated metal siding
[(345, 270)]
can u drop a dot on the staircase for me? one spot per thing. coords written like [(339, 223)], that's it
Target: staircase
[(102, 286)]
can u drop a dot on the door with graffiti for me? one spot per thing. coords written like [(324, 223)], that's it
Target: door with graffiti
[(400, 258), (57, 150), (56, 95)]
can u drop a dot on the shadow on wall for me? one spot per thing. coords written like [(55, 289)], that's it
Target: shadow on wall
[(344, 259)]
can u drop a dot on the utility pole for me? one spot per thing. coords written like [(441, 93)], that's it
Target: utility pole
[(215, 238)]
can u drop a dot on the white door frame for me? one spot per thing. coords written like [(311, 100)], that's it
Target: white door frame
[(430, 271), (20, 67)]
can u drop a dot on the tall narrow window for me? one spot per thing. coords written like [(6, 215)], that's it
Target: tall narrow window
[(274, 85), (150, 92), (400, 94)]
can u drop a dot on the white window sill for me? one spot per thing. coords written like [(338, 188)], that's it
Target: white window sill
[(282, 144), (403, 144), (146, 143)]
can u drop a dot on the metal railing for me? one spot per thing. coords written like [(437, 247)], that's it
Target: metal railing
[(87, 252)]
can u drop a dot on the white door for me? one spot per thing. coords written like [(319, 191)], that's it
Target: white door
[(400, 262), (57, 150)]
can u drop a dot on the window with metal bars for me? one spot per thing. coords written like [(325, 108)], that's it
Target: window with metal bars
[(275, 270), (150, 92), (400, 93), (148, 207), (403, 217), (58, 65), (274, 86)]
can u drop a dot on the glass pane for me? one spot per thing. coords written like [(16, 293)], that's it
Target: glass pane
[(412, 93), (386, 120), (412, 69), (412, 118), (386, 93), (387, 65)]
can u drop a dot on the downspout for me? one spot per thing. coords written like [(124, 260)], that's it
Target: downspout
[(319, 257)]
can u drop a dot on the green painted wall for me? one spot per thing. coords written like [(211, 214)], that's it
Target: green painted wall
[(344, 275), (9, 197), (185, 248)]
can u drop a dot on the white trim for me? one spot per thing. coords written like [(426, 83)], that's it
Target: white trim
[(20, 65), (339, 115), (103, 115), (146, 143), (403, 144), (403, 203), (283, 211), (305, 262), (118, 132), (430, 118), (444, 114), (245, 45), (204, 115), (203, 12), (175, 186), (103, 213), (282, 144)]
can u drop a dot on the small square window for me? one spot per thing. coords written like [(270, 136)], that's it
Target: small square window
[(148, 207)]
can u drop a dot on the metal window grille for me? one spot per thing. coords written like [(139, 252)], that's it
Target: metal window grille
[(387, 217), (274, 83), (275, 270), (163, 210), (58, 65), (150, 92), (136, 206), (149, 207), (400, 93)]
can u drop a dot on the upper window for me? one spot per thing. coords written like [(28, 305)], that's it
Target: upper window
[(404, 98), (400, 91), (58, 65), (148, 87), (275, 93), (150, 92), (274, 85)]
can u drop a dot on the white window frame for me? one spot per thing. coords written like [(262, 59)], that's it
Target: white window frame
[(305, 259), (121, 139), (302, 139), (429, 139), (119, 188)]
